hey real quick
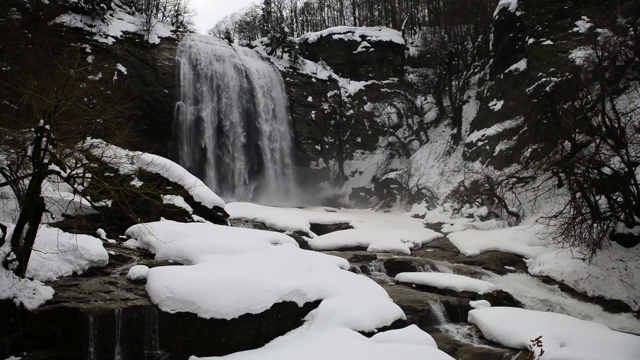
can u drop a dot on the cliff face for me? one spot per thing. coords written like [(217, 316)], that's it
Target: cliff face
[(151, 85), (130, 73), (532, 72), (524, 101), (365, 124)]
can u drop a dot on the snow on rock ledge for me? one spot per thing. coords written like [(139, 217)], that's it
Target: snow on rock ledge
[(377, 33), (446, 281), (406, 344), (563, 337), (55, 254), (128, 162)]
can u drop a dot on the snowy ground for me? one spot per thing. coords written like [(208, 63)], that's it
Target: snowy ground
[(228, 272)]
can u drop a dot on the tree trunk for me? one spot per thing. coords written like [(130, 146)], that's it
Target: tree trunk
[(24, 234)]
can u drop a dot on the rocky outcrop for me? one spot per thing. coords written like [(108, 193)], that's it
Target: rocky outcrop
[(355, 53)]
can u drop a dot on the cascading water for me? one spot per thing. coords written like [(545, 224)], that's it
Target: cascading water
[(232, 122), (151, 338), (438, 313), (92, 338), (117, 352)]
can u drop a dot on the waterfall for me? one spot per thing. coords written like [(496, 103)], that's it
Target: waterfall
[(117, 352), (151, 339), (438, 313), (92, 339), (232, 125), (378, 271)]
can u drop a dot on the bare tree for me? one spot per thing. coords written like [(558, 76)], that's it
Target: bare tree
[(46, 112)]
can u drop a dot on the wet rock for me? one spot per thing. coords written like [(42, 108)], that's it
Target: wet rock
[(474, 348), (394, 266), (419, 306), (500, 298), (500, 263), (322, 229), (362, 257), (497, 262)]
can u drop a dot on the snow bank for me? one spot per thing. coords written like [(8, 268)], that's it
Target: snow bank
[(191, 243), (563, 337), (446, 281), (407, 344), (375, 239), (613, 273), (29, 293), (533, 294), (377, 232), (380, 232), (61, 199), (480, 304), (236, 271), (25, 292), (520, 240), (128, 162), (368, 34), (57, 253)]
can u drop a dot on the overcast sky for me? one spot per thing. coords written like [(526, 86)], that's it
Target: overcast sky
[(211, 11)]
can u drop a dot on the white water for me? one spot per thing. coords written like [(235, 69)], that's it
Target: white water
[(438, 313), (378, 271), (232, 122), (151, 338)]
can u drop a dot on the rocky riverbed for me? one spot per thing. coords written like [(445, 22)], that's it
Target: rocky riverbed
[(102, 314)]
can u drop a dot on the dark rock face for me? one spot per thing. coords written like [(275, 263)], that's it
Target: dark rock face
[(140, 332), (151, 83), (357, 59), (306, 95), (518, 36)]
